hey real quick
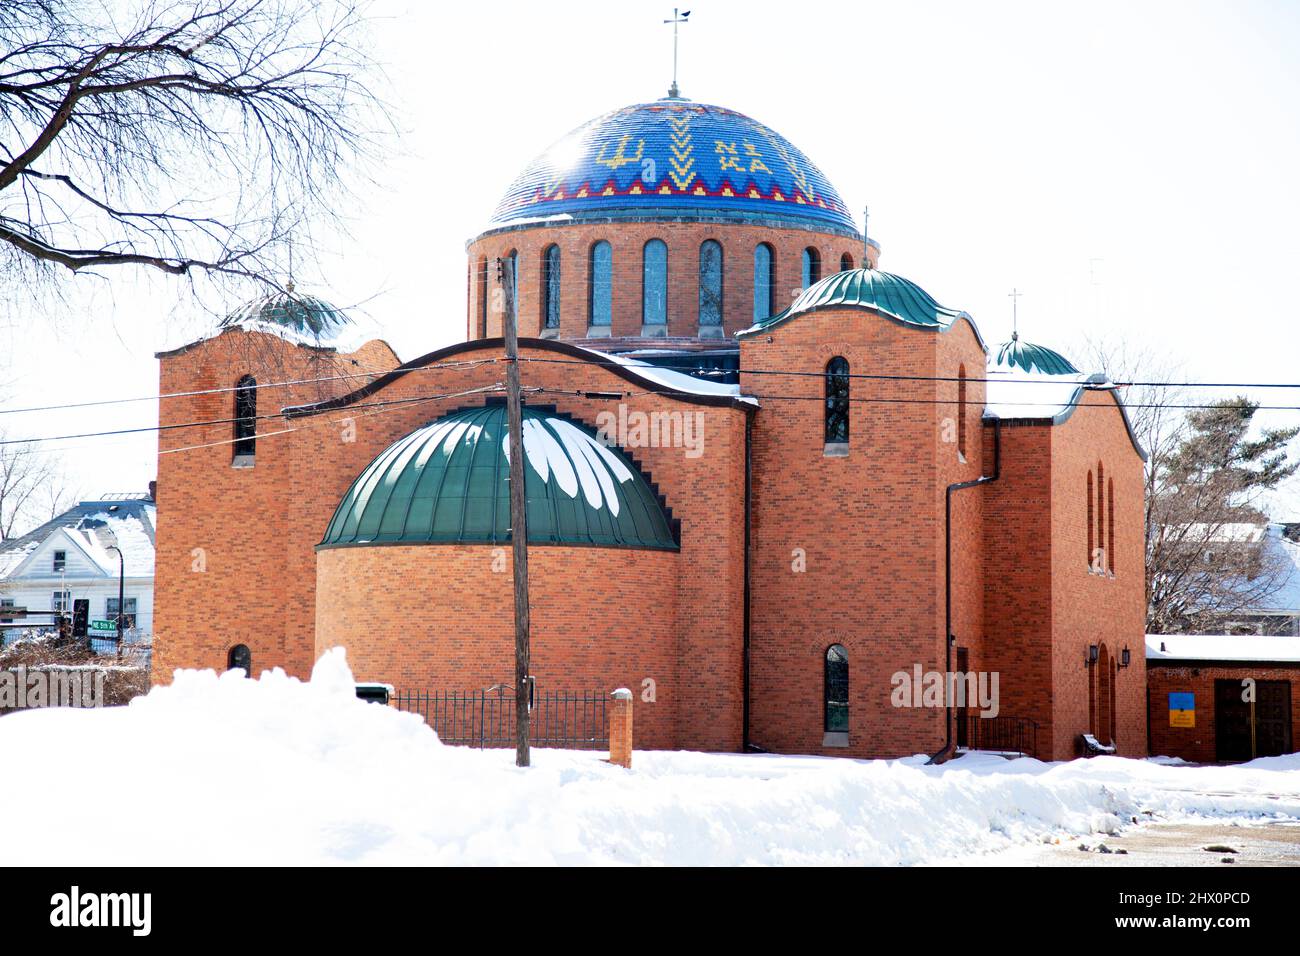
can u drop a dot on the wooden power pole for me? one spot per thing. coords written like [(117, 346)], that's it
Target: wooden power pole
[(518, 512)]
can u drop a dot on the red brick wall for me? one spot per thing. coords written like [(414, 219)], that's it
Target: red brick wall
[(1198, 743), (627, 240), (220, 557), (440, 617), (259, 527), (871, 525)]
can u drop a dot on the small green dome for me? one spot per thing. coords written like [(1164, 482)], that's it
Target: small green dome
[(1032, 358), (883, 292), (302, 316), (448, 483)]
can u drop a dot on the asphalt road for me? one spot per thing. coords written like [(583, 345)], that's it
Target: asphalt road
[(1173, 844)]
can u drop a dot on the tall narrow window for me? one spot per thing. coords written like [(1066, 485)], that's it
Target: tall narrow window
[(1101, 517), (60, 561), (961, 411), (846, 262), (1091, 527), (482, 298), (654, 283), (600, 285), (710, 283), (837, 401), (812, 266), (1110, 525), (245, 420), (240, 657), (764, 281), (551, 287), (837, 689)]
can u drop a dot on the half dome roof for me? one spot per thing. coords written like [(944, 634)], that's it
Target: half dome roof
[(891, 295), (1028, 357), (300, 317), (448, 482), (674, 158)]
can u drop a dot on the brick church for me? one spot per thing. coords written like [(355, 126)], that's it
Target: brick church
[(770, 487)]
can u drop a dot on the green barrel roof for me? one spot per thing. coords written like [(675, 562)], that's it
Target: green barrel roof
[(883, 292), (1033, 358), (448, 483)]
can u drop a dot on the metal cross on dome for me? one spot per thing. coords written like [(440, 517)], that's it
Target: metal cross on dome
[(684, 14)]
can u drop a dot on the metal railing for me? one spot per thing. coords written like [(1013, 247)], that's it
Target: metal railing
[(1000, 734), (486, 718)]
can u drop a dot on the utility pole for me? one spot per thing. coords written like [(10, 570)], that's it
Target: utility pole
[(121, 596), (518, 510)]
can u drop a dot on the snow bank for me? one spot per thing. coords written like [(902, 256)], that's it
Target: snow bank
[(224, 770)]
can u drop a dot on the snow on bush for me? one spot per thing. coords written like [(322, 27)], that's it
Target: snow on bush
[(224, 770)]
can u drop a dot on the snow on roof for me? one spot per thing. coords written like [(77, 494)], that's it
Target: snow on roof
[(1011, 393), (1222, 647), (1287, 596), (677, 381), (11, 558)]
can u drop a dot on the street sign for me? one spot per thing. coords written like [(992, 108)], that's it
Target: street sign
[(110, 626)]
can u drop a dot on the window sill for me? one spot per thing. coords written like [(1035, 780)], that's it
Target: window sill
[(599, 331), (655, 331), (242, 461), (835, 738), (835, 449), (550, 333), (711, 332)]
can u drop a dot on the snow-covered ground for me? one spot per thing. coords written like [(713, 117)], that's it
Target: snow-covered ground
[(223, 770)]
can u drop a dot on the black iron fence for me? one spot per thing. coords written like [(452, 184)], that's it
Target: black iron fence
[(1000, 734), (486, 718)]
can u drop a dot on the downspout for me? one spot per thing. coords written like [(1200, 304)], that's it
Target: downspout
[(950, 744), (749, 487)]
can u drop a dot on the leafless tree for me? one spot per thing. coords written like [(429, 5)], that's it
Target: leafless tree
[(26, 472), (1208, 557), (188, 136)]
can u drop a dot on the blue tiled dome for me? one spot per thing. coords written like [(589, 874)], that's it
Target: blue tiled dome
[(675, 158)]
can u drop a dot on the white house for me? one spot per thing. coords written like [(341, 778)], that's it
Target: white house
[(76, 555)]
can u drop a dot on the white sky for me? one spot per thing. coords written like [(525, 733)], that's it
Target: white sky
[(1130, 167)]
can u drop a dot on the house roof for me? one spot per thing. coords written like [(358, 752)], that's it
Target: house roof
[(93, 526), (1228, 648)]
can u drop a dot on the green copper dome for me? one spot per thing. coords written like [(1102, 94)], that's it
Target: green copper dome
[(448, 483), (1033, 358), (301, 316), (900, 299)]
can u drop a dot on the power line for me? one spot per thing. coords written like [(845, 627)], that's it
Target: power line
[(373, 373), (903, 378)]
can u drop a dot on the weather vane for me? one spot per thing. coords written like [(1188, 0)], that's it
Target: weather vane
[(672, 90)]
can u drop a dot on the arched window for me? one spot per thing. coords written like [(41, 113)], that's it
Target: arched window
[(1091, 541), (600, 285), (240, 657), (837, 401), (961, 411), (551, 287), (764, 281), (837, 689), (1101, 516), (846, 262), (1110, 525), (812, 266), (654, 283), (482, 298), (710, 283), (245, 420)]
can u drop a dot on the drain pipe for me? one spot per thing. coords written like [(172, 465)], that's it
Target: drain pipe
[(950, 744), (749, 497)]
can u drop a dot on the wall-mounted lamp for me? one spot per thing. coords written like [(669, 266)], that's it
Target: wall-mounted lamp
[(1125, 658), (1093, 652)]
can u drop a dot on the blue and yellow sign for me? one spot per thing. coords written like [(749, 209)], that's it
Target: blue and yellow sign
[(1182, 709)]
